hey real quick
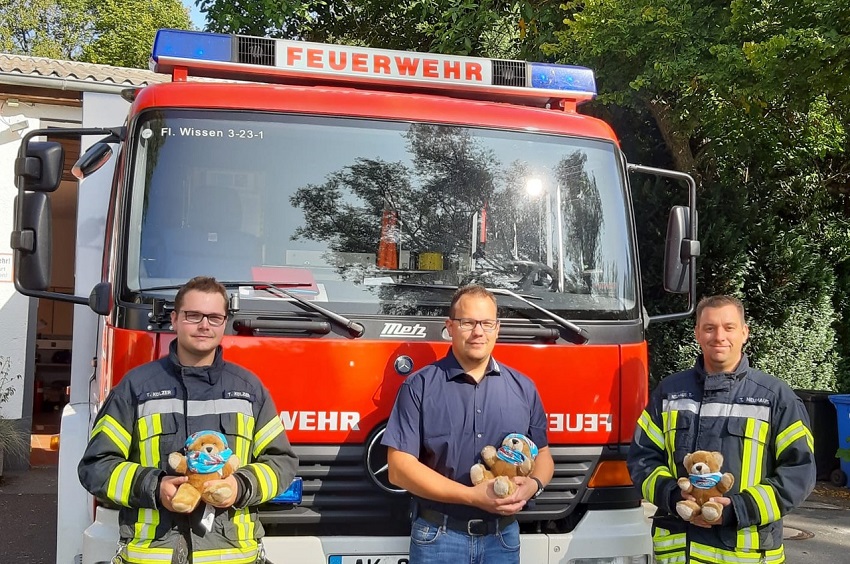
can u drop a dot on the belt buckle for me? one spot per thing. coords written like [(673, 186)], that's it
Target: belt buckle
[(477, 527)]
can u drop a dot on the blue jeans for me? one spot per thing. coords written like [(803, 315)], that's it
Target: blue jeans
[(436, 544)]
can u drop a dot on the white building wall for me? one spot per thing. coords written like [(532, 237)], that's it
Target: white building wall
[(16, 311)]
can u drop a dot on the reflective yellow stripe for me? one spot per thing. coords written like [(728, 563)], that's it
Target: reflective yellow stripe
[(244, 429), (140, 553), (748, 538), (792, 433), (668, 548), (752, 472), (669, 421), (649, 485), (670, 559), (229, 555), (765, 497), (150, 430), (651, 429), (244, 527), (267, 434), (116, 433), (267, 480), (145, 527), (121, 483), (704, 553)]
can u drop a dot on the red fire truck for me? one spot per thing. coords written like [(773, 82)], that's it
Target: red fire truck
[(342, 194)]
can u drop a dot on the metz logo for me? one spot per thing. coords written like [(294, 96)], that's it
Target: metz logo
[(401, 330)]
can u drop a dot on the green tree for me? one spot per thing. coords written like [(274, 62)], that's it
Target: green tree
[(45, 28), (486, 28), (97, 31), (125, 30), (752, 99)]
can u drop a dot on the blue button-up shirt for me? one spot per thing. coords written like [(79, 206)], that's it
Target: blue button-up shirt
[(443, 418)]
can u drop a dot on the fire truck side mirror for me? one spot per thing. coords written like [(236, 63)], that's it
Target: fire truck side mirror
[(100, 299), (679, 250), (89, 162), (31, 241), (41, 167)]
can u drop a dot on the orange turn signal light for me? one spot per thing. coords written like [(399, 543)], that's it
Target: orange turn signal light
[(610, 473), (54, 442)]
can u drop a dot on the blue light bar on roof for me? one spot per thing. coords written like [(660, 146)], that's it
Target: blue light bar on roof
[(266, 59), (192, 45), (562, 77)]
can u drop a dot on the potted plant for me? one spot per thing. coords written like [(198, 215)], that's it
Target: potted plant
[(13, 439)]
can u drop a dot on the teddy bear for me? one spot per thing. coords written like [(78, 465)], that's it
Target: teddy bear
[(704, 481), (207, 458), (514, 458)]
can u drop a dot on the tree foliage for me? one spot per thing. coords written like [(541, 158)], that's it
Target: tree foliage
[(486, 28), (96, 31)]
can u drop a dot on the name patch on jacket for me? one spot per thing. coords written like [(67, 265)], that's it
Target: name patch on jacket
[(749, 400), (680, 395), (159, 394), (236, 394)]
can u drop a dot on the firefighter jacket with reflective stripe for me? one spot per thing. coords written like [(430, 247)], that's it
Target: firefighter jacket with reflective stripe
[(762, 429), (149, 414)]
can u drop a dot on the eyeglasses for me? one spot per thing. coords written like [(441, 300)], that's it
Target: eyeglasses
[(466, 324), (195, 317)]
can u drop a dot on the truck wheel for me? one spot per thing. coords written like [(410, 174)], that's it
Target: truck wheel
[(838, 478)]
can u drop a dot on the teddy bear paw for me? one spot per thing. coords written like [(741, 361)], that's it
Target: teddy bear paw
[(218, 493), (686, 509), (476, 474), (712, 512), (503, 486), (174, 460)]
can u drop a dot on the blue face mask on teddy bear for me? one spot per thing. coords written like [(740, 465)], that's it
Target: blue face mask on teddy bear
[(202, 462), (516, 457), (705, 481)]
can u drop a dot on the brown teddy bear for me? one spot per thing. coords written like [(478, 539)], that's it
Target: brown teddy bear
[(704, 481), (514, 458), (207, 458)]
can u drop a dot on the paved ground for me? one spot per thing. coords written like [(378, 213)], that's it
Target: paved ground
[(819, 530), (28, 516)]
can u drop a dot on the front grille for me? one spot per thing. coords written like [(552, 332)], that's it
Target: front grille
[(338, 490), (509, 73), (573, 466), (255, 50)]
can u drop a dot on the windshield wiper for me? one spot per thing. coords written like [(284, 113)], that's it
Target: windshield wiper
[(582, 335), (354, 328)]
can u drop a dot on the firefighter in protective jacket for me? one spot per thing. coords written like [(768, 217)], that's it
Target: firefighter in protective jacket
[(150, 414), (755, 420)]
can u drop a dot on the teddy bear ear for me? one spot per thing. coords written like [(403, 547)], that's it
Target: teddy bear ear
[(687, 461), (718, 459)]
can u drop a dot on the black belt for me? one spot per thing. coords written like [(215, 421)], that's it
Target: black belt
[(476, 527)]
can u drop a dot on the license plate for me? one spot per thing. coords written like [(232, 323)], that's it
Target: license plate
[(368, 559)]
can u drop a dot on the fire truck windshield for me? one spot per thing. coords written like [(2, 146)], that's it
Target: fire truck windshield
[(363, 216)]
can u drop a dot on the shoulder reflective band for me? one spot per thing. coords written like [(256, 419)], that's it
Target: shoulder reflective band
[(262, 58)]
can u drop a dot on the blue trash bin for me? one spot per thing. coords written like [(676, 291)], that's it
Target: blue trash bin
[(842, 408)]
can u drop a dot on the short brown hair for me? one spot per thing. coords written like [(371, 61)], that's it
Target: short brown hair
[(720, 301), (470, 290), (206, 284)]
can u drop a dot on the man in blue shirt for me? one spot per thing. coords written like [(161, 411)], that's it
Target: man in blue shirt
[(443, 416)]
